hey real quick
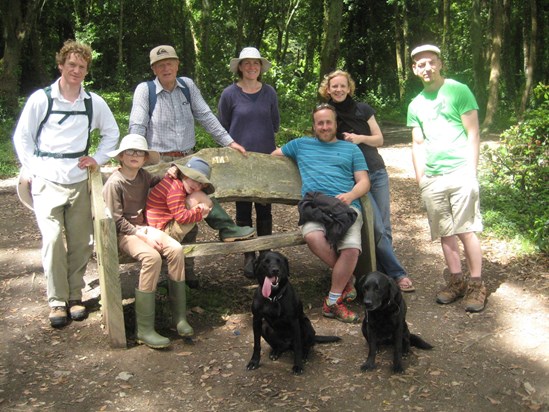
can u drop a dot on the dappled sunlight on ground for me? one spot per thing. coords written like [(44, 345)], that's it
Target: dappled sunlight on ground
[(523, 321)]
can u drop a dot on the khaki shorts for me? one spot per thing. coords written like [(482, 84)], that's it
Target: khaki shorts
[(351, 240), (452, 203), (177, 230)]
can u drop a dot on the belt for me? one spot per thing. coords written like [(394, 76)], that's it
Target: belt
[(177, 154)]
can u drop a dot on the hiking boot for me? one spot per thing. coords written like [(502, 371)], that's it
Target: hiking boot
[(339, 311), (58, 316), (455, 289), (475, 297), (77, 310), (349, 293)]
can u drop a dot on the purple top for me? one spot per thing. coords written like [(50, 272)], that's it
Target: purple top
[(251, 119)]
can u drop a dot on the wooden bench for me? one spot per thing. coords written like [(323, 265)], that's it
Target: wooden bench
[(256, 178)]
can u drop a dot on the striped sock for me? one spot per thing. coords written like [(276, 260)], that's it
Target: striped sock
[(332, 298)]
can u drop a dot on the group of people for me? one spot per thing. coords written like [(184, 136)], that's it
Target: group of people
[(154, 215)]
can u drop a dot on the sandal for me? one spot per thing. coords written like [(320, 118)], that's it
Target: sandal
[(405, 285)]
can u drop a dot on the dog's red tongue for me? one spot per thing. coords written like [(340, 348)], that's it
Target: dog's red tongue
[(267, 286)]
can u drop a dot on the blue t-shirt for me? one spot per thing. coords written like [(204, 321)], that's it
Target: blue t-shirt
[(326, 167)]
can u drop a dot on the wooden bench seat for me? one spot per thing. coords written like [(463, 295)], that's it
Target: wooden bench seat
[(256, 178)]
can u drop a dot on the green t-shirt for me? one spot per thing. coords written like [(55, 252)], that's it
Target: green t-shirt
[(438, 114)]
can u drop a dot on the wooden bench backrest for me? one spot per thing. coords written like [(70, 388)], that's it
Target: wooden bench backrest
[(257, 177)]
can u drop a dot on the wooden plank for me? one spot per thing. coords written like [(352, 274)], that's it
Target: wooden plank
[(107, 264), (275, 241), (367, 259)]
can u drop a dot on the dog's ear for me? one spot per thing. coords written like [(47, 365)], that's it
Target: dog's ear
[(286, 265), (361, 282), (394, 290), (256, 264)]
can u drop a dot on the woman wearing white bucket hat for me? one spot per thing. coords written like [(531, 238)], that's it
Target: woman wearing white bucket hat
[(248, 109)]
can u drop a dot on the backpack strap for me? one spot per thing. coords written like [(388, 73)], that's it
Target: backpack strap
[(152, 93), (88, 104)]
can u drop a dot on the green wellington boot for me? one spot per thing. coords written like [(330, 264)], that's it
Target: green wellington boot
[(190, 276), (144, 314), (178, 305), (219, 220)]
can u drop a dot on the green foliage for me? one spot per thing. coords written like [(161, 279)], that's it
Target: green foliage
[(9, 166), (517, 184)]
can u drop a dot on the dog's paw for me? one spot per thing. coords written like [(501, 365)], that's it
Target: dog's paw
[(398, 368), (297, 370), (252, 365), (368, 366), (274, 355)]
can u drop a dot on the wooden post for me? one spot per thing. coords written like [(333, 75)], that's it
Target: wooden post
[(367, 259), (107, 264)]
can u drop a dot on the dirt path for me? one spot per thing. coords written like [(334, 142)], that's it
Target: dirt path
[(497, 360)]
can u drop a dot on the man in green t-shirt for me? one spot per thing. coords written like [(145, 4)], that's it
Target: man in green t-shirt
[(445, 153)]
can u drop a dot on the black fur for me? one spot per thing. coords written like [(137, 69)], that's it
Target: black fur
[(279, 318), (385, 320)]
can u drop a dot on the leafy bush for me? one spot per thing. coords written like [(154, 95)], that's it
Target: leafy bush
[(519, 166)]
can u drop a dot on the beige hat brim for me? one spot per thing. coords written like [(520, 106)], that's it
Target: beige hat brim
[(136, 142), (235, 61), (199, 177), (24, 190)]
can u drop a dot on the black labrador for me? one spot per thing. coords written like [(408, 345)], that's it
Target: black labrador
[(278, 314), (385, 320)]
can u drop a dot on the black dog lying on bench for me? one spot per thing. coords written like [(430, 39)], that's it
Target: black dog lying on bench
[(278, 314), (385, 320)]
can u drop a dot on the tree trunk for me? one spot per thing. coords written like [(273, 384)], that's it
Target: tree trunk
[(495, 64), (399, 48), (445, 23), (16, 32), (530, 57), (509, 65), (332, 32), (477, 54)]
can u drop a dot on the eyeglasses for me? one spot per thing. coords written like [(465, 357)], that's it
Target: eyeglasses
[(134, 152)]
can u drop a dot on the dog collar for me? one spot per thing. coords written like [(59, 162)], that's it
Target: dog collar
[(279, 295)]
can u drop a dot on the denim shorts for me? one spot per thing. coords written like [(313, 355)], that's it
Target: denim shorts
[(351, 240), (452, 203)]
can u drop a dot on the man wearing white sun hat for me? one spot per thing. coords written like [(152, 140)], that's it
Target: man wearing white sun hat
[(445, 152)]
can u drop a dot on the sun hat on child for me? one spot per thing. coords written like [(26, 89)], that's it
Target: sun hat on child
[(198, 169), (136, 142), (249, 53)]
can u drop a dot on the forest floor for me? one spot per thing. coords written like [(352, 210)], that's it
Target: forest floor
[(496, 360)]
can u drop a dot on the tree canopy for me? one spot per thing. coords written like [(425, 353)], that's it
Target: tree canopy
[(492, 45)]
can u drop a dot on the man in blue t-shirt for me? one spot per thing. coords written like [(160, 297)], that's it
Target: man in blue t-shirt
[(445, 152), (335, 168)]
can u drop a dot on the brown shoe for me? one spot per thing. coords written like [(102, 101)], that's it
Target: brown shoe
[(58, 316), (77, 310), (475, 297), (455, 289)]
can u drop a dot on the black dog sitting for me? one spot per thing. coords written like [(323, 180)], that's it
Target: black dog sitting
[(385, 320), (278, 314)]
